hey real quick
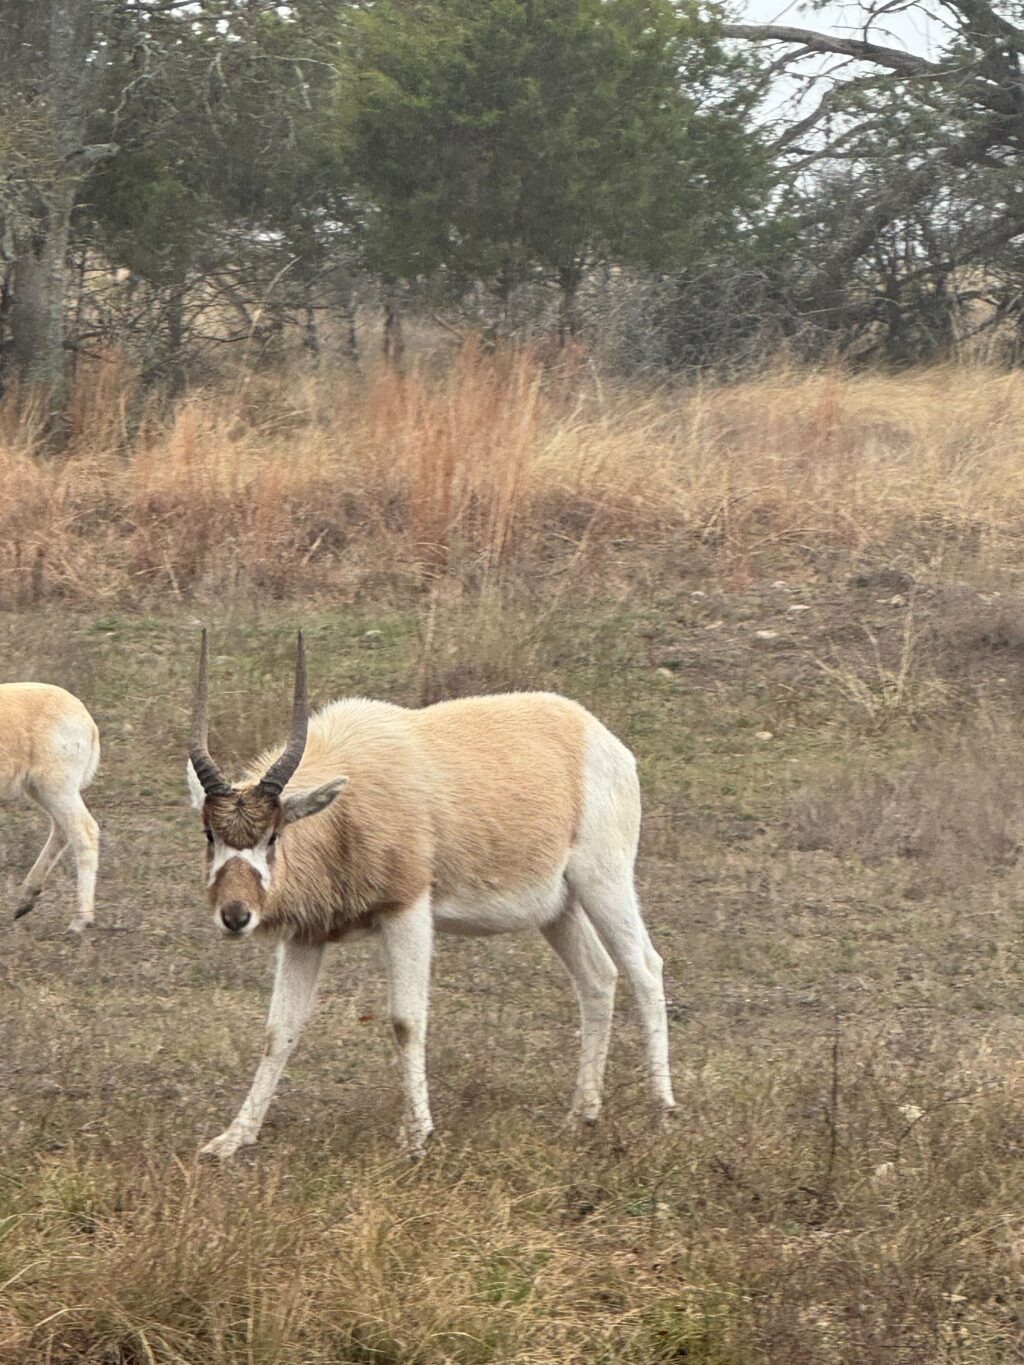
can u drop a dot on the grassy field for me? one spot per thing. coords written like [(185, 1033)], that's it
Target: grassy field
[(798, 600)]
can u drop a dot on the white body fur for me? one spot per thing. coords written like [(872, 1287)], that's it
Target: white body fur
[(584, 904), (50, 751)]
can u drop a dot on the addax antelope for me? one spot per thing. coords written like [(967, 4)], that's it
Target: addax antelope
[(469, 817), (50, 750)]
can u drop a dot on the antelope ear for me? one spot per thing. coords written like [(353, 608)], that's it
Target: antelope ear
[(311, 803), (195, 787)]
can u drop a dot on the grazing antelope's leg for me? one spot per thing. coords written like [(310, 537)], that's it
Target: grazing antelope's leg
[(609, 899), (32, 887), (78, 829), (298, 968), (50, 751), (593, 974), (84, 838), (406, 939)]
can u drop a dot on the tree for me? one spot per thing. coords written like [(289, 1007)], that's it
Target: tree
[(493, 138), (227, 197), (44, 76), (906, 175), (192, 143)]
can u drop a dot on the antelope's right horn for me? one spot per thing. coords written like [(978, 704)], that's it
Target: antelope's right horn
[(210, 776)]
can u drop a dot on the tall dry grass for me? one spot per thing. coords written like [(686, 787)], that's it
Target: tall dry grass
[(296, 486)]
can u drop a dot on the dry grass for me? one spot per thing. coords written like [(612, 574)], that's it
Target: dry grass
[(845, 1178), (722, 1245), (313, 486), (797, 600), (954, 811)]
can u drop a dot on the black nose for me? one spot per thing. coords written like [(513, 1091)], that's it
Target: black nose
[(235, 917)]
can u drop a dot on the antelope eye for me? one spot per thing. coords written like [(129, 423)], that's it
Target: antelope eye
[(272, 841), (209, 835)]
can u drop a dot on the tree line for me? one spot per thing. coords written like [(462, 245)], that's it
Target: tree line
[(183, 178)]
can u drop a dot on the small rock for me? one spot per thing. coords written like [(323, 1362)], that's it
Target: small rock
[(797, 608), (882, 580), (664, 673), (372, 639), (911, 1112), (765, 634), (780, 583), (898, 600), (714, 625), (884, 1174), (764, 734), (697, 594)]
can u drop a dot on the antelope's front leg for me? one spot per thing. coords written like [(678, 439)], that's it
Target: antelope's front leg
[(407, 937), (298, 968)]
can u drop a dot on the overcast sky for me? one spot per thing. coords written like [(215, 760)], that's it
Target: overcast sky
[(911, 29)]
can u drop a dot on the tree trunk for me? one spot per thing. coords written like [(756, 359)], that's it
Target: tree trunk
[(6, 300), (348, 312), (501, 329), (569, 277), (40, 284), (310, 330), (55, 40), (394, 341), (176, 341)]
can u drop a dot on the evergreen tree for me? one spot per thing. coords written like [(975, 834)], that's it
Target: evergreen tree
[(495, 137)]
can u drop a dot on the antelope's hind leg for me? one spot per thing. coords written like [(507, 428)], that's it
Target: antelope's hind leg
[(32, 887), (593, 974), (83, 834), (610, 902), (71, 826), (298, 970)]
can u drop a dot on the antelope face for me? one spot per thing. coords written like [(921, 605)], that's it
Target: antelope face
[(241, 829), (242, 824)]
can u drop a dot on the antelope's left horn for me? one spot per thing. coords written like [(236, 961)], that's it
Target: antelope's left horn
[(211, 777), (280, 773)]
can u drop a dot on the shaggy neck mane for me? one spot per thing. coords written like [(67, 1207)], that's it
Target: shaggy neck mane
[(314, 899), (373, 848)]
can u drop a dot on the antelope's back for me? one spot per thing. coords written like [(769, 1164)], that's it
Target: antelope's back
[(483, 793), (509, 773), (41, 728)]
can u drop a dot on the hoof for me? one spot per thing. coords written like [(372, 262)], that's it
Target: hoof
[(223, 1148), (26, 903), (417, 1144), (584, 1113)]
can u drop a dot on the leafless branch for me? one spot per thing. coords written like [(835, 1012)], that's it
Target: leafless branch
[(906, 63)]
